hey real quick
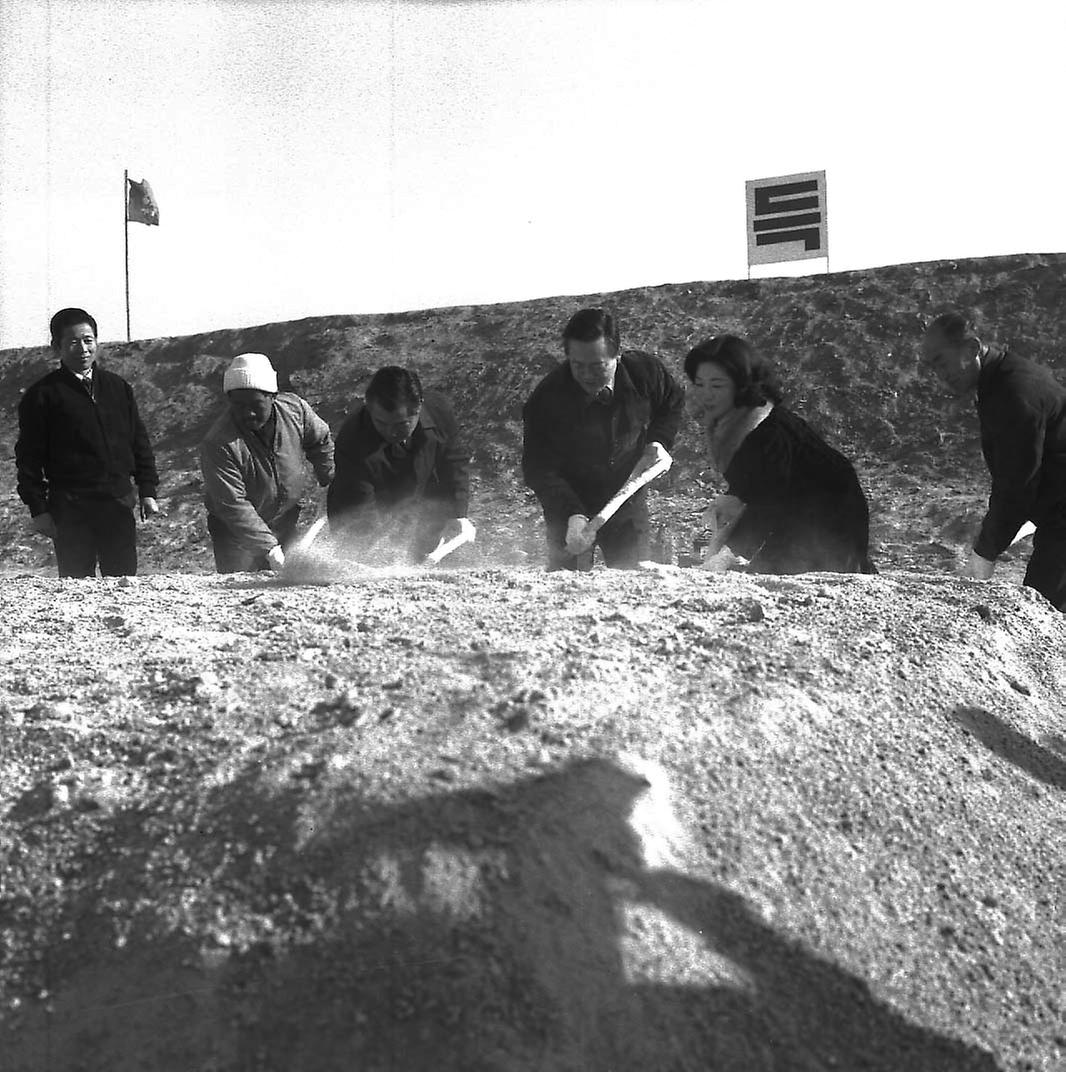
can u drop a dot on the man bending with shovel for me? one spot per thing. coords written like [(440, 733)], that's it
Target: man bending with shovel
[(402, 483), (597, 429)]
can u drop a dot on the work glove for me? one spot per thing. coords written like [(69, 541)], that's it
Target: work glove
[(722, 512), (578, 540), (655, 452), (978, 568), (721, 562), (275, 557), (44, 525), (149, 507)]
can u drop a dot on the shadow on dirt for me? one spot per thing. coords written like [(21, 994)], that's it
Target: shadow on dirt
[(301, 927), (1042, 763)]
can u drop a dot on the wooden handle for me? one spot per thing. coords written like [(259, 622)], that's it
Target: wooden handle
[(627, 491)]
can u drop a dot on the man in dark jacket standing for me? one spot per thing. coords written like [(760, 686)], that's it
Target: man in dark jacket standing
[(403, 481), (80, 442), (587, 425), (1022, 412)]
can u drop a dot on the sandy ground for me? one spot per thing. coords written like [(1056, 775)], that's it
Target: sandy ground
[(484, 818), (501, 819)]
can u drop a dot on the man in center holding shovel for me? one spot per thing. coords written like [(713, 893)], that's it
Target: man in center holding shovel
[(402, 487), (596, 422)]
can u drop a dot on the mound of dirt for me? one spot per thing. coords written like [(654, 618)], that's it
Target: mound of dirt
[(482, 817), (503, 819)]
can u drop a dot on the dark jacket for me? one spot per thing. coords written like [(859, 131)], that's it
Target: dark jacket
[(578, 452), (248, 483), (805, 510), (1022, 410), (367, 471), (72, 441)]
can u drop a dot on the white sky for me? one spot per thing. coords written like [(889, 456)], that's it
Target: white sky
[(312, 158)]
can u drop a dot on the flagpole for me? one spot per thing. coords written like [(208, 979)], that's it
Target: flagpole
[(126, 227)]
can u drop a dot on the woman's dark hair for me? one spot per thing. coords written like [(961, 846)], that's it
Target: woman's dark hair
[(588, 325), (736, 357), (394, 388)]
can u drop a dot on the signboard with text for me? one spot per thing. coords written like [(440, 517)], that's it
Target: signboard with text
[(786, 218)]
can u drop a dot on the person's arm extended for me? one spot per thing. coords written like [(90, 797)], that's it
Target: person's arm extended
[(1014, 440), (668, 406), (454, 464), (351, 493), (225, 488), (542, 466), (317, 445)]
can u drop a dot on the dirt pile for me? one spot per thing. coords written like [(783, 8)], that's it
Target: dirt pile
[(514, 820), (483, 817)]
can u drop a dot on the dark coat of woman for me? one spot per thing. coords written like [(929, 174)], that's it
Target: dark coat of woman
[(804, 508)]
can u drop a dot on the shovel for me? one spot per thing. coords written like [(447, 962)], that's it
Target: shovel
[(1027, 529), (303, 544), (580, 537), (445, 547)]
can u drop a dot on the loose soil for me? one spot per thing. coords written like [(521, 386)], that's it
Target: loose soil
[(484, 817)]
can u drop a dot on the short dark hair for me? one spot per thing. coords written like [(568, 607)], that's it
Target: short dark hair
[(953, 327), (394, 388), (737, 358), (67, 318), (588, 325)]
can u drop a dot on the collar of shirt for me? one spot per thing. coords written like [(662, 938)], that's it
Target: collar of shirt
[(603, 397), (84, 378)]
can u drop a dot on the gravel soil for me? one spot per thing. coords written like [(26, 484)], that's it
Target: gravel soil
[(475, 819)]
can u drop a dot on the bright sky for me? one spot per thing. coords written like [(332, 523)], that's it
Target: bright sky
[(312, 158)]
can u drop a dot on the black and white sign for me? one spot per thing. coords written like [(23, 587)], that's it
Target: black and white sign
[(786, 218)]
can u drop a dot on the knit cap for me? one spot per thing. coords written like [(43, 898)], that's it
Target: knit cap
[(251, 371)]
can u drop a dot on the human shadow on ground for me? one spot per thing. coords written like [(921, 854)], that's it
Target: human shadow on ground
[(1042, 763), (486, 928)]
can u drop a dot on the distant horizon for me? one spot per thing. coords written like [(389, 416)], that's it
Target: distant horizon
[(762, 277), (398, 155)]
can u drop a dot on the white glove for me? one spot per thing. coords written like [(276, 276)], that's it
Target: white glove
[(978, 568), (275, 557), (149, 507), (578, 540), (721, 562)]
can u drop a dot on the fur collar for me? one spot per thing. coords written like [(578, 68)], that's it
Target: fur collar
[(728, 432)]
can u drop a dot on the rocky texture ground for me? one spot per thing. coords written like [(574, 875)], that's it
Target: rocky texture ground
[(483, 817), (508, 820)]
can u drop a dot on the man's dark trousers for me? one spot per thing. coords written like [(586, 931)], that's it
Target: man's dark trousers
[(93, 529)]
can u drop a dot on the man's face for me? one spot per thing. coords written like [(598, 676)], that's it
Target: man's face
[(77, 348), (957, 367), (250, 407), (394, 425), (592, 364)]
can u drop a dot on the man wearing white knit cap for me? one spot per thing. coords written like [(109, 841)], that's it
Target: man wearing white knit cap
[(253, 464)]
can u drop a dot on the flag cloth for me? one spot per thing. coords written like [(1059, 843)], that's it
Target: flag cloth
[(141, 205)]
